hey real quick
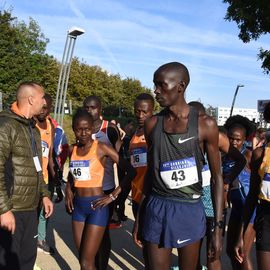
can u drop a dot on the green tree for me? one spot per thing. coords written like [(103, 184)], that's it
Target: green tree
[(253, 20), (116, 94), (22, 56)]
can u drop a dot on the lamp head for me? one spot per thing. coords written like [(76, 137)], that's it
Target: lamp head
[(75, 31)]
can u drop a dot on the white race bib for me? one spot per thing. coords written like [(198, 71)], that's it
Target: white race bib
[(80, 170), (138, 157), (45, 149), (265, 187), (206, 176), (179, 173)]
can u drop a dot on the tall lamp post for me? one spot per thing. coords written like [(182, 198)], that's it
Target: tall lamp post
[(234, 97), (59, 108)]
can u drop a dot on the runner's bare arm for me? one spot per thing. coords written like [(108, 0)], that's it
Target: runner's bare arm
[(114, 136), (51, 164), (251, 200), (105, 150), (208, 132), (69, 194), (148, 128)]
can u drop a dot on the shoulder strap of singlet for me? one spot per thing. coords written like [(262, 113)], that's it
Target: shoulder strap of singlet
[(193, 119), (159, 123), (104, 126)]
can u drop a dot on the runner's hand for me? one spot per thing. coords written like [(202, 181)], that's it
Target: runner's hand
[(238, 250), (215, 247), (7, 222), (48, 206), (101, 202), (135, 234), (69, 196)]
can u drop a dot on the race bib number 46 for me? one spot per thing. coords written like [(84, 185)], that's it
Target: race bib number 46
[(80, 170), (179, 173), (138, 157)]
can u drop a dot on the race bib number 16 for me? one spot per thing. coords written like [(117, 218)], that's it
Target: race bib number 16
[(138, 157), (179, 173)]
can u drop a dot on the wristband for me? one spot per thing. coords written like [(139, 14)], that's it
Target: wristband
[(112, 197)]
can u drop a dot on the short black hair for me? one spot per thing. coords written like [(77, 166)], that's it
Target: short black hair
[(198, 105), (94, 98), (81, 113), (147, 97), (180, 68), (242, 122)]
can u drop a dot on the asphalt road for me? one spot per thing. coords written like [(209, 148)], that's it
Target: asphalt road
[(125, 255)]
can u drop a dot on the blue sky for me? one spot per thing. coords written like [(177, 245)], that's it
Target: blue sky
[(133, 38)]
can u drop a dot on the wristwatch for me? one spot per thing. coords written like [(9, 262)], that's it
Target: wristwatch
[(219, 224)]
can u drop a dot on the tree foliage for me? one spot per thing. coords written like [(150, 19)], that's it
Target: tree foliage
[(117, 94), (253, 20), (23, 57)]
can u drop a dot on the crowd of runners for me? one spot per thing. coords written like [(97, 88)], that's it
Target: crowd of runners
[(188, 179)]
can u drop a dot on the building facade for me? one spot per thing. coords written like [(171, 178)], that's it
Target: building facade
[(223, 113)]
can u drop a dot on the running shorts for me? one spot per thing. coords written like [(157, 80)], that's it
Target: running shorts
[(171, 223), (83, 212)]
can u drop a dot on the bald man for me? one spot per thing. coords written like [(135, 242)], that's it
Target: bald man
[(177, 138), (21, 181)]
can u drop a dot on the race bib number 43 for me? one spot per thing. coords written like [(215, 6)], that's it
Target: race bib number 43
[(80, 170), (179, 173), (138, 157)]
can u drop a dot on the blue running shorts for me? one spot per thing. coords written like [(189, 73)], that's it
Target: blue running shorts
[(83, 212), (173, 224)]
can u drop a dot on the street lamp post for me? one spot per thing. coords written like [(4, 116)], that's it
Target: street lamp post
[(234, 97), (59, 109)]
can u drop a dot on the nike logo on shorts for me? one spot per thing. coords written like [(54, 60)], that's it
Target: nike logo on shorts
[(179, 242), (185, 140)]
